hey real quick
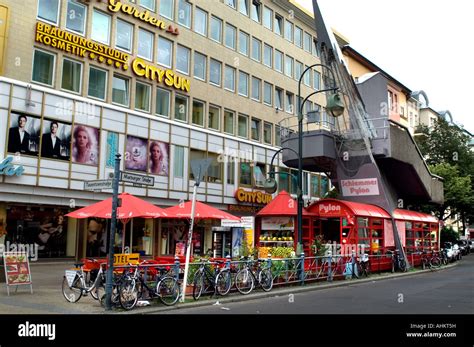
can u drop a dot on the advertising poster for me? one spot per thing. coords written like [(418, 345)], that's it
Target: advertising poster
[(180, 249), (277, 223), (136, 154), (56, 140), (112, 149), (23, 135), (85, 145), (17, 269), (158, 161)]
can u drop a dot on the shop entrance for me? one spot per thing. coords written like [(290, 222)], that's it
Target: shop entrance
[(331, 230)]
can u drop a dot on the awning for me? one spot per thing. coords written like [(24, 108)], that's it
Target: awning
[(414, 216), (202, 211), (339, 208), (282, 205)]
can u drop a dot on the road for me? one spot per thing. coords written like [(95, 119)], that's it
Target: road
[(449, 291)]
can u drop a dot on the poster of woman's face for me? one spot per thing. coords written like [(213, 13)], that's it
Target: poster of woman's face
[(159, 158), (56, 140), (23, 136), (85, 145), (136, 154)]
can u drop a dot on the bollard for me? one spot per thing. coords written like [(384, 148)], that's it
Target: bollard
[(176, 267), (329, 266)]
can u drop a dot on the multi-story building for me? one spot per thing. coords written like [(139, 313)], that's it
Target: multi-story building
[(160, 82)]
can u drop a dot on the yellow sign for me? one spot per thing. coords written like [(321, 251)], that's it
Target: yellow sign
[(168, 77), (126, 259), (79, 46), (252, 197)]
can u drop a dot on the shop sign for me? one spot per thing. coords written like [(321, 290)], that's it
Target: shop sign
[(252, 197), (277, 223), (8, 169), (126, 258), (245, 222), (17, 269), (168, 77), (325, 209), (360, 187), (243, 208)]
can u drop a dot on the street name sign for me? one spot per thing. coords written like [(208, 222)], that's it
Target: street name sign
[(138, 180), (98, 185)]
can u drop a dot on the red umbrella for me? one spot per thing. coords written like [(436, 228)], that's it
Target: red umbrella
[(282, 205), (202, 211)]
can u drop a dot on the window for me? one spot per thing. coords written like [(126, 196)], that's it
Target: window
[(289, 31), (278, 24), (307, 77), (200, 21), (268, 55), (100, 27), (231, 3), (214, 173), (278, 61), (289, 66), (76, 17), (267, 133), (256, 127), (243, 126), (244, 7), (267, 93), (243, 84), (243, 43), (178, 162), (230, 36), (142, 97), (298, 36), (97, 83), (289, 102), (163, 102), (229, 122), (245, 174), (166, 8), (315, 49), (324, 186), (214, 118), (255, 10), (120, 91), (316, 80), (229, 78), (256, 88), (308, 105), (277, 136), (195, 154), (72, 75), (298, 70), (216, 29), (256, 49), (43, 67), (267, 18), (230, 171), (198, 113), (279, 98), (123, 35), (184, 13), (315, 185), (181, 108), (48, 10), (148, 4), (182, 59), (215, 72), (259, 174), (165, 52), (307, 42), (145, 44), (200, 64)]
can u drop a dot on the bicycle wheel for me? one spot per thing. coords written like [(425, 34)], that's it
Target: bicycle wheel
[(402, 265), (435, 262), (168, 290), (198, 285), (244, 281), (128, 294), (223, 282), (95, 292), (265, 279), (72, 293), (115, 296)]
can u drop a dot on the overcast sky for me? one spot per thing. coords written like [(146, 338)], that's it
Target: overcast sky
[(425, 44)]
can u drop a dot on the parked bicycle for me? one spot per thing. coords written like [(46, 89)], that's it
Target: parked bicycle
[(220, 281), (432, 261), (246, 277), (363, 266), (78, 283), (398, 262)]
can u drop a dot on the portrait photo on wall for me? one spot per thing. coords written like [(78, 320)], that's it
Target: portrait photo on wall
[(56, 140), (159, 158), (136, 154), (85, 145), (23, 135)]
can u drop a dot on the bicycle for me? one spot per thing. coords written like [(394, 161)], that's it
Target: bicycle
[(433, 262), (398, 262), (221, 281), (78, 283), (245, 278)]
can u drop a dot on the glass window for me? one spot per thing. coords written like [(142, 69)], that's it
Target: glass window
[(97, 83), (165, 52), (255, 7), (200, 64), (307, 42), (256, 88), (215, 72), (243, 84), (72, 75), (230, 36), (244, 7), (279, 98), (243, 126), (315, 49), (48, 10), (245, 174), (278, 61), (230, 171), (298, 70), (307, 77), (120, 90), (324, 186), (289, 102), (229, 78), (214, 117), (145, 44), (230, 3), (278, 24), (267, 18), (149, 4), (315, 185), (216, 29), (268, 55), (316, 80), (182, 59), (259, 174), (298, 36), (243, 43), (76, 17), (198, 113), (200, 21), (277, 136), (123, 35), (195, 155), (256, 127), (181, 107), (214, 173), (267, 93), (289, 31), (100, 27), (166, 8), (267, 133), (178, 162), (289, 66), (256, 49), (184, 13), (163, 102), (142, 97), (229, 122), (43, 67)]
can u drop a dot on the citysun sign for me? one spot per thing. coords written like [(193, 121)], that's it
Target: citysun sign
[(8, 169), (252, 197)]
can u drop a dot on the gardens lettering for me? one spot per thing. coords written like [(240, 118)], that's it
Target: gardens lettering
[(142, 69)]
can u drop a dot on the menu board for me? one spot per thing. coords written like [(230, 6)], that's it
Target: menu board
[(180, 249), (17, 268)]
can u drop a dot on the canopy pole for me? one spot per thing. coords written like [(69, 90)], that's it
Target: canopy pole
[(188, 245)]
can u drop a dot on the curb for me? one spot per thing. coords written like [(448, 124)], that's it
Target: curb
[(292, 289)]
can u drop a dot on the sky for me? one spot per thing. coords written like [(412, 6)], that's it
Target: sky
[(424, 44)]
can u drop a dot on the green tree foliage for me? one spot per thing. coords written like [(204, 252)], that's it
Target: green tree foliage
[(448, 235)]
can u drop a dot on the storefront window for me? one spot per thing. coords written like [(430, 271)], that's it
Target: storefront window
[(142, 97), (43, 67), (76, 17), (48, 10), (123, 35), (72, 76), (120, 90), (245, 174), (100, 27), (165, 52), (163, 102)]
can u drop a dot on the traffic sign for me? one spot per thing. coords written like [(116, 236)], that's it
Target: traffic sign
[(199, 168), (139, 180), (98, 185)]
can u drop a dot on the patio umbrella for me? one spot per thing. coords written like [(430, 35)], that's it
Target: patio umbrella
[(282, 205), (202, 211)]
